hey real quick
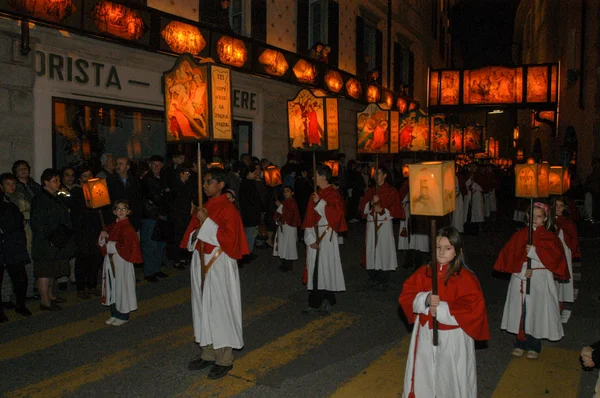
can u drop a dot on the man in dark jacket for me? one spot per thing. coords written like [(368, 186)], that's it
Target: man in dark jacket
[(13, 247), (53, 242), (251, 205), (154, 191), (127, 187)]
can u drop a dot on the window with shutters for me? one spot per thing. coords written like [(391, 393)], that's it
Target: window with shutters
[(317, 22), (403, 68), (239, 16), (370, 46)]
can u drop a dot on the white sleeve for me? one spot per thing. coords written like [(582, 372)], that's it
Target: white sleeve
[(521, 275), (320, 208), (280, 209), (309, 236), (419, 306), (111, 247), (532, 254), (208, 232), (191, 244), (443, 314), (101, 241), (367, 209)]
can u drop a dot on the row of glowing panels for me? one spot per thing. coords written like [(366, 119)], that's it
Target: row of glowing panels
[(494, 85), (539, 180)]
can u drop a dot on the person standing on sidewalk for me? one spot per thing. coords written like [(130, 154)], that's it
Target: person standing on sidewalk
[(382, 204), (287, 221), (216, 298), (324, 220), (533, 316)]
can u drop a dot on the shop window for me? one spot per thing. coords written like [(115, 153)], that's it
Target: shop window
[(83, 131), (404, 66)]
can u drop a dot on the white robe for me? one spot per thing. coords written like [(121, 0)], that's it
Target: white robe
[(418, 242), (565, 289), (118, 288), (216, 312), (542, 319), (447, 370), (385, 254), (330, 274), (458, 215), (477, 205), (285, 240)]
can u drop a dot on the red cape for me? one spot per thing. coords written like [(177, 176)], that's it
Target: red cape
[(230, 234), (389, 198), (128, 244), (334, 210), (570, 232), (548, 247), (462, 293), (290, 215)]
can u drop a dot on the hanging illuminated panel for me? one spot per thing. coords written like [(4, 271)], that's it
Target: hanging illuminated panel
[(493, 85), (49, 10), (373, 129), (440, 134), (473, 138), (313, 122), (197, 101), (413, 131), (537, 84), (456, 144), (432, 188), (118, 20)]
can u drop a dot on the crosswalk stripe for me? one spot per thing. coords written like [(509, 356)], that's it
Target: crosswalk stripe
[(556, 373), (383, 378), (70, 381), (47, 338), (252, 366)]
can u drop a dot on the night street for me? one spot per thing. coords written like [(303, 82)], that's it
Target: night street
[(358, 350)]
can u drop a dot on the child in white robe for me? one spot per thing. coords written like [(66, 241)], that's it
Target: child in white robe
[(287, 219)]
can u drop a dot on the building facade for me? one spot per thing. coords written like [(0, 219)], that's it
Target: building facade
[(566, 31), (68, 95)]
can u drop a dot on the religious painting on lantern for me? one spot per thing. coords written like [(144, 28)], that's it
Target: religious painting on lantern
[(306, 118), (473, 137), (118, 20), (373, 129), (186, 101), (440, 134), (456, 142), (414, 132), (450, 86), (432, 188), (493, 85), (537, 84), (54, 11)]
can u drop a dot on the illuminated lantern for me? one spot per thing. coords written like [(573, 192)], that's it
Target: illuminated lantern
[(530, 160), (520, 155), (556, 180), (274, 62), (377, 130), (206, 116), (413, 105), (95, 191), (334, 165), (334, 81), (387, 99), (354, 88), (372, 173), (218, 165), (272, 176), (373, 93), (432, 188), (305, 72), (50, 10), (118, 20), (531, 180), (402, 105), (232, 51), (405, 171), (183, 38), (516, 133), (313, 121)]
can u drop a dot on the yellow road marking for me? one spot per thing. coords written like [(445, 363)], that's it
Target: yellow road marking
[(555, 374), (47, 338), (248, 369), (70, 381), (383, 378)]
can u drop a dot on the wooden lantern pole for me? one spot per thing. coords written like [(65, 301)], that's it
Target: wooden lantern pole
[(375, 213), (315, 278), (529, 242), (434, 273), (200, 182)]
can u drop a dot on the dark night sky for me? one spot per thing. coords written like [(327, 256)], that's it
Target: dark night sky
[(484, 29)]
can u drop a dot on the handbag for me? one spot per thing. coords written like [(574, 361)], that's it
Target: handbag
[(163, 231)]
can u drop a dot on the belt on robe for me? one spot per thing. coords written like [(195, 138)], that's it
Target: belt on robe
[(423, 319), (207, 266), (378, 226)]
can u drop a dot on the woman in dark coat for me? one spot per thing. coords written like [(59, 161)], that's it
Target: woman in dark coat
[(53, 242), (14, 252), (86, 227)]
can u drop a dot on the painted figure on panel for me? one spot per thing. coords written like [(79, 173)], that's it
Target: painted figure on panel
[(472, 138), (421, 135), (186, 103), (457, 139), (372, 128), (306, 121), (440, 135), (492, 85), (450, 83)]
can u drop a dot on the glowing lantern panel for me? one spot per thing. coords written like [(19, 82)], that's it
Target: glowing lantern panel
[(373, 93), (274, 62), (334, 165), (531, 181), (232, 51), (50, 10), (118, 20), (305, 72), (217, 165), (95, 191), (353, 88), (334, 81), (183, 38), (556, 180), (432, 188), (313, 122), (273, 176)]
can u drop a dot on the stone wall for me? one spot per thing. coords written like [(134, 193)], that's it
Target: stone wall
[(16, 98)]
